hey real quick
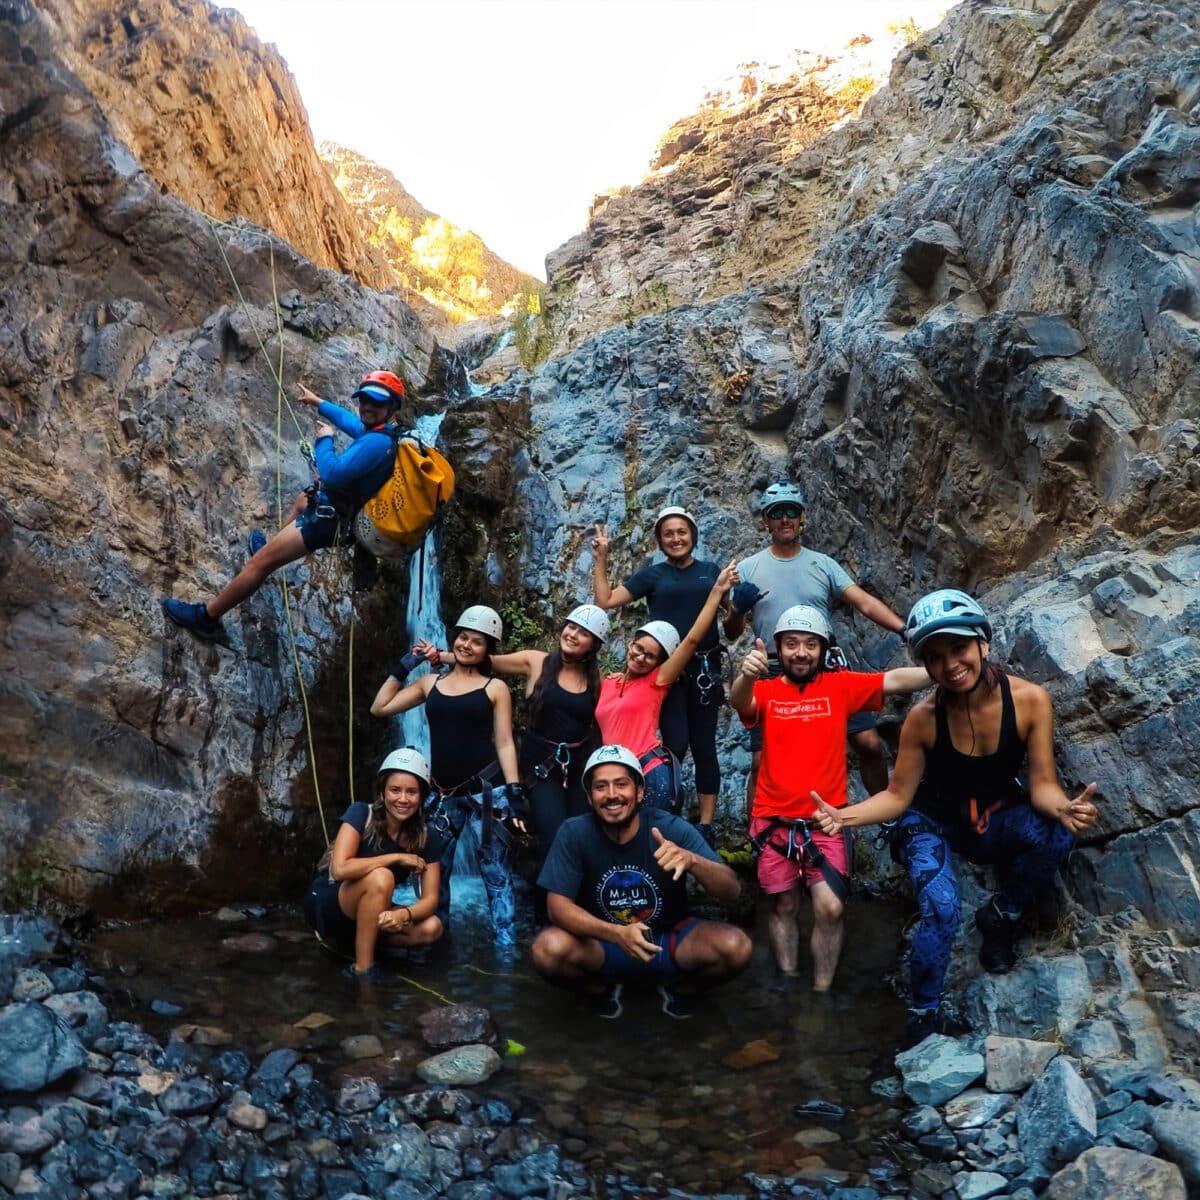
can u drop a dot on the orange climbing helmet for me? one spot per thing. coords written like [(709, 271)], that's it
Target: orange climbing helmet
[(380, 386)]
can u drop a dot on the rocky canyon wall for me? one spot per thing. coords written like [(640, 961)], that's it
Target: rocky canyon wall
[(990, 379), (138, 449)]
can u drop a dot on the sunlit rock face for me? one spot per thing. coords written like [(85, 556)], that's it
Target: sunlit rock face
[(446, 266), (983, 372), (138, 450), (214, 116)]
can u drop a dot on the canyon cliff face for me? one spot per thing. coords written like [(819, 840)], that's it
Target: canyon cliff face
[(982, 364), (139, 449), (215, 118), (449, 267)]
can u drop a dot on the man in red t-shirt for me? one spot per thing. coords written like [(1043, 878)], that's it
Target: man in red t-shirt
[(802, 715)]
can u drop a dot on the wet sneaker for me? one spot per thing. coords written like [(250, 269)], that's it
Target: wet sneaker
[(194, 618), (255, 542), (919, 1024), (607, 1004), (998, 953), (371, 975), (708, 833), (676, 1006)]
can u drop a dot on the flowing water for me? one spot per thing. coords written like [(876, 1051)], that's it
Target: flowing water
[(687, 1104)]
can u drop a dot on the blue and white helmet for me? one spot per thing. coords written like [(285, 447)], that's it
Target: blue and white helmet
[(803, 618), (780, 493), (945, 611), (613, 754), (592, 618)]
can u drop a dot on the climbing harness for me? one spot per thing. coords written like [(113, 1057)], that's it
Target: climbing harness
[(559, 760), (708, 678), (664, 753), (448, 810), (799, 846)]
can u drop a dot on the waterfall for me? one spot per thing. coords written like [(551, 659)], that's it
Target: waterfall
[(423, 617)]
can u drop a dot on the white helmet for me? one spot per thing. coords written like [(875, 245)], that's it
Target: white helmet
[(592, 618), (481, 619), (780, 493), (409, 759), (663, 632), (674, 510), (367, 534), (613, 754), (803, 618)]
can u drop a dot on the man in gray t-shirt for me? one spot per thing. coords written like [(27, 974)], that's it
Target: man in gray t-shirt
[(788, 573)]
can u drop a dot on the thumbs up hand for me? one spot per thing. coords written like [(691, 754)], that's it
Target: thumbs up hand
[(827, 819), (754, 665), (1080, 814), (671, 857)]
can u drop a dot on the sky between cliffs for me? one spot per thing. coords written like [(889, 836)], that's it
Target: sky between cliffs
[(508, 116)]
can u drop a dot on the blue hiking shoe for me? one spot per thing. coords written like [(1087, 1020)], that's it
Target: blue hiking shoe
[(674, 1005), (255, 542), (194, 618), (607, 1004)]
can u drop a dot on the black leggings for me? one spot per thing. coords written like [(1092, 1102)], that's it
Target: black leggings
[(551, 802), (685, 723)]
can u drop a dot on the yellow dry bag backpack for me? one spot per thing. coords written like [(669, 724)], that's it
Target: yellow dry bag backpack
[(397, 516)]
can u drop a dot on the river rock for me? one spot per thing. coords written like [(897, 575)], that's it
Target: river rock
[(361, 1045), (250, 943), (28, 1137), (82, 1011), (1107, 1171), (358, 1095), (1014, 1063), (36, 1047), (189, 1097), (938, 1069), (457, 1025), (1176, 1128), (976, 1107), (409, 1154), (31, 983), (463, 1066), (1056, 1118), (979, 1185)]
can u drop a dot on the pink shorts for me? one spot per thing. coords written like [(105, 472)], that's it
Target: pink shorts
[(778, 873)]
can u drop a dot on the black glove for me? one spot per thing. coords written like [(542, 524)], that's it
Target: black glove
[(402, 668), (744, 597), (835, 659), (514, 793)]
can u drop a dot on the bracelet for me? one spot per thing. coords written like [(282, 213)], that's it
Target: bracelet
[(410, 916)]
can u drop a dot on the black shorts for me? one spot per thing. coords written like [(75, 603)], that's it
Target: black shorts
[(324, 914), (321, 527)]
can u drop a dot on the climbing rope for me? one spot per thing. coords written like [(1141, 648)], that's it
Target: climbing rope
[(281, 399)]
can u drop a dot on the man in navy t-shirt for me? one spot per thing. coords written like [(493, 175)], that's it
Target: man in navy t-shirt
[(617, 896)]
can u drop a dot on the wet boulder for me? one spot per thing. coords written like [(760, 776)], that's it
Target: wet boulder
[(1014, 1063), (36, 1048), (938, 1068), (463, 1066), (1111, 1171), (1056, 1118), (457, 1025)]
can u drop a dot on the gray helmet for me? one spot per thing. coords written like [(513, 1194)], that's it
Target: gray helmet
[(481, 619), (802, 618), (674, 510), (592, 618), (613, 754), (945, 611), (780, 493), (663, 632), (409, 759)]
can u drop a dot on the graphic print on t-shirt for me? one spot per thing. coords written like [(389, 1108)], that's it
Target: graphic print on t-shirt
[(802, 710), (626, 895)]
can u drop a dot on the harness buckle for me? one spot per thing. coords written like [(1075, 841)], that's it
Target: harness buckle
[(562, 755)]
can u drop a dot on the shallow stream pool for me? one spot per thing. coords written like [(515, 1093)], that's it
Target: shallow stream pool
[(646, 1101)]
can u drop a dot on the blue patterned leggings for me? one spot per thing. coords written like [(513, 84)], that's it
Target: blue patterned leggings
[(1025, 847), (495, 868)]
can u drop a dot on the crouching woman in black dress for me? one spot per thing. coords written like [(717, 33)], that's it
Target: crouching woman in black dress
[(378, 848)]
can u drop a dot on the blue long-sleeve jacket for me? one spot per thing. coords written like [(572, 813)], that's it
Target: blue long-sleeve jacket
[(351, 478)]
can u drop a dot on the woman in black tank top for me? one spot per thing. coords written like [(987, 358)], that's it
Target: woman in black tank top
[(473, 758), (561, 687), (962, 752)]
